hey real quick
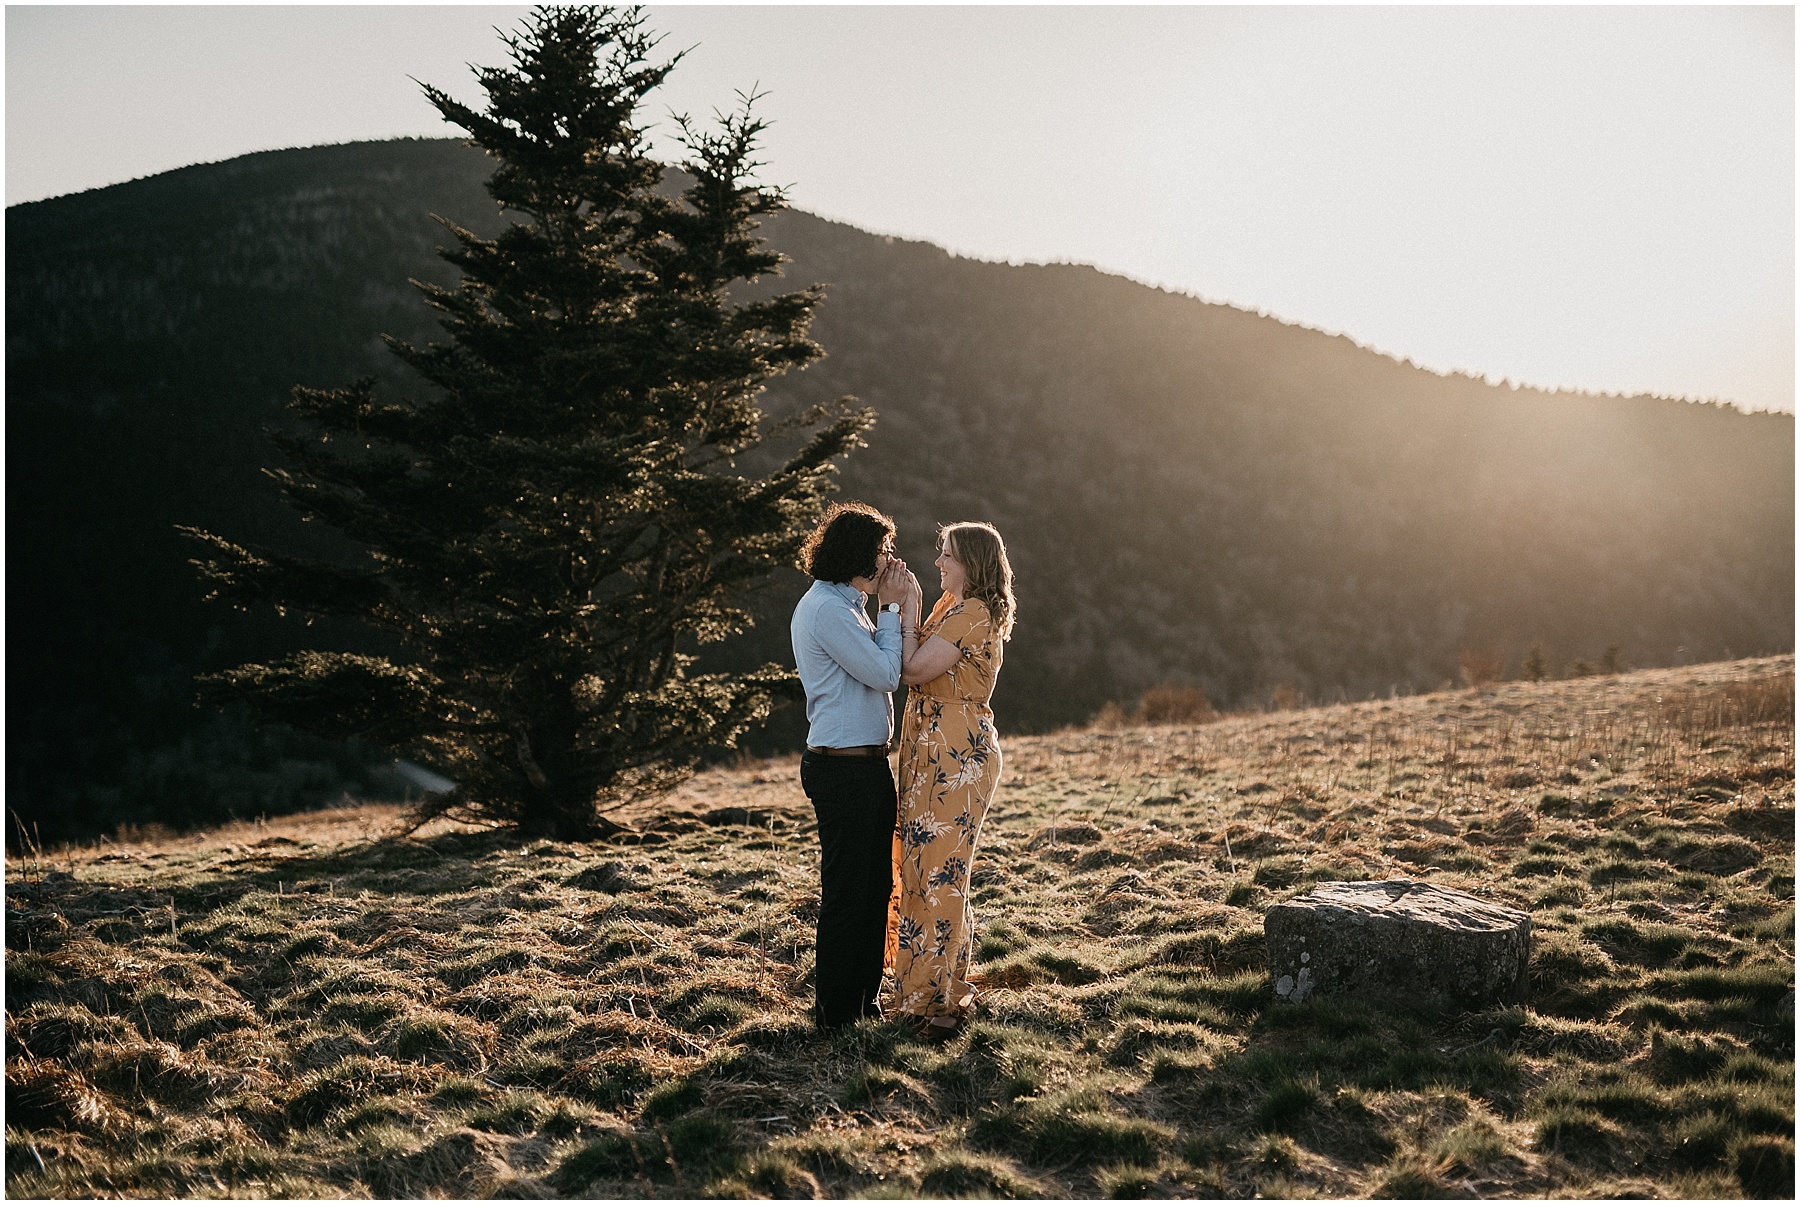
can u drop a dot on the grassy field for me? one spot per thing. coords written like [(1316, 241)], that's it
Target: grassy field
[(315, 1007)]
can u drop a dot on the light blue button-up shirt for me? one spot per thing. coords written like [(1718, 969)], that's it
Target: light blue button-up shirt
[(849, 666)]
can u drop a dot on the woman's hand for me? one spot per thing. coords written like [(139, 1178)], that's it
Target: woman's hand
[(890, 583)]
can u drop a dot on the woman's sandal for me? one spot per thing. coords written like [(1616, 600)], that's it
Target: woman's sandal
[(938, 1029)]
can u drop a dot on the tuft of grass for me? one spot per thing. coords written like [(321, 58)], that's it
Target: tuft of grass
[(1574, 1132), (1615, 1093), (1242, 895), (998, 939), (1288, 1101), (874, 1086), (1139, 1042), (1641, 943), (1677, 1058), (716, 1011), (1469, 1149), (329, 1091), (44, 1095), (1411, 1177), (364, 1011), (610, 1079), (1204, 1147), (1065, 968), (1128, 1183), (780, 1179), (1765, 1167), (611, 1156), (457, 1090), (1081, 1128), (430, 1035), (673, 1099), (699, 1145), (1275, 1154), (512, 1113), (1000, 1064), (965, 1174), (1765, 985), (1701, 1142), (53, 1029)]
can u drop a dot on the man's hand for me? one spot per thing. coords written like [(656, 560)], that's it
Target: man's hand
[(891, 585)]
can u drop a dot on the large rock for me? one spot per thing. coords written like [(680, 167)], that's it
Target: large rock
[(1399, 941)]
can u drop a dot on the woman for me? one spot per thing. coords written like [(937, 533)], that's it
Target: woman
[(949, 767)]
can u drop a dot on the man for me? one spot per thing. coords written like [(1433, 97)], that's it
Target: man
[(850, 668)]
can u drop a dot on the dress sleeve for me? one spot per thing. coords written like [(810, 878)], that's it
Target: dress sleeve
[(966, 625)]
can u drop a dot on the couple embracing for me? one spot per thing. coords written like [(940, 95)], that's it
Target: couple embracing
[(894, 863)]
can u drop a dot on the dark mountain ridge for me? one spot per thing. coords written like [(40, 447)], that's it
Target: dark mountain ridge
[(1191, 492)]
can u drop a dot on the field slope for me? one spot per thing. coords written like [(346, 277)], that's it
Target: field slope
[(317, 1007)]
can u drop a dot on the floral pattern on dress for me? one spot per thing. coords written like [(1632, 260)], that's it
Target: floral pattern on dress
[(949, 767)]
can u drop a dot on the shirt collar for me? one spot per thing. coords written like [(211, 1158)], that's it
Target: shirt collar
[(848, 592)]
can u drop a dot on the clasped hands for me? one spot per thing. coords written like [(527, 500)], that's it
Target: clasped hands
[(897, 583)]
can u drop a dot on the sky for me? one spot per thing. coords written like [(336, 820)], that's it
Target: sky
[(1595, 198)]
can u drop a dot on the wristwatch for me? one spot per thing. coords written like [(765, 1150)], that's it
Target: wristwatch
[(891, 608)]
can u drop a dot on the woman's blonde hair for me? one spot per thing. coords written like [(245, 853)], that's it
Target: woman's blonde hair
[(982, 553)]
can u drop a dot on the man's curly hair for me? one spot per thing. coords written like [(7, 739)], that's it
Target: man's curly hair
[(845, 543)]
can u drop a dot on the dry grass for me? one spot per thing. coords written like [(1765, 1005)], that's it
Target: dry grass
[(313, 1008)]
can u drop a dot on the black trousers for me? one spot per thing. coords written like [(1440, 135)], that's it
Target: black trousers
[(853, 797)]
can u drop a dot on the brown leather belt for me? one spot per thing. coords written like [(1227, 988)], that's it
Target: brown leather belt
[(851, 751)]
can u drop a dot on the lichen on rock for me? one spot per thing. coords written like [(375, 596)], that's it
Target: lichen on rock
[(1398, 940)]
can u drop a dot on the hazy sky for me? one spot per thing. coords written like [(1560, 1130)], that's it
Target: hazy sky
[(1596, 198)]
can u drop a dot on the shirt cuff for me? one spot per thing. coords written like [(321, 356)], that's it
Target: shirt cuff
[(883, 616)]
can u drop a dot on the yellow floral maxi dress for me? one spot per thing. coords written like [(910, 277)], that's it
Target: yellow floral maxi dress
[(949, 767)]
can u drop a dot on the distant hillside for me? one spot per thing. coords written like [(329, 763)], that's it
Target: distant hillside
[(1191, 492)]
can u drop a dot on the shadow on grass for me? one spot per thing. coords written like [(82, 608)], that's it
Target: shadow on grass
[(446, 863), (1306, 1067)]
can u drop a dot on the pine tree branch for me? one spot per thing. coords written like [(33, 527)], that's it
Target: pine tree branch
[(340, 695), (314, 588)]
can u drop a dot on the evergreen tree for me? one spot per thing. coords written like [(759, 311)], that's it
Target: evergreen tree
[(568, 512)]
